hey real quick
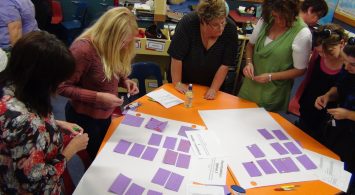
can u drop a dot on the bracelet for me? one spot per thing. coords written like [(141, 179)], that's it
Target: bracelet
[(270, 77)]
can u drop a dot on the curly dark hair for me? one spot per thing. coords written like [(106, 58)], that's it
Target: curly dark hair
[(288, 9), (349, 48)]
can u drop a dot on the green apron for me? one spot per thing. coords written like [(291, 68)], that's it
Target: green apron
[(273, 57)]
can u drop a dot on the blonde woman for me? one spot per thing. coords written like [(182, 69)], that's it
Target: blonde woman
[(103, 55), (203, 46)]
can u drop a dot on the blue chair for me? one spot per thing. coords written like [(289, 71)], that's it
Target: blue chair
[(145, 70), (75, 26)]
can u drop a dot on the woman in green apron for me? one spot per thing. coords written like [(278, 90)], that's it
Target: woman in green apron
[(277, 52)]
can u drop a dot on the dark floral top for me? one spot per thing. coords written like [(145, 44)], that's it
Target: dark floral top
[(30, 149)]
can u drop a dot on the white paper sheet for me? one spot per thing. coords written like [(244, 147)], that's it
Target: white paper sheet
[(237, 129), (331, 171), (205, 190), (109, 164), (205, 144), (165, 98), (211, 171)]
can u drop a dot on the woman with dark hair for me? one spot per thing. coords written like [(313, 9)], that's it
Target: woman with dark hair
[(32, 157), (339, 135), (278, 51)]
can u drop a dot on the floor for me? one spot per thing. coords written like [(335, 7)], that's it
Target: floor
[(76, 168)]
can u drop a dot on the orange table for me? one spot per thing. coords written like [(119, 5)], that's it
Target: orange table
[(226, 101)]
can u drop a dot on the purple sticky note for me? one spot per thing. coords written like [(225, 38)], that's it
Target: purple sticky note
[(184, 146), (170, 142), (251, 168), (152, 192), (306, 162), (135, 189), (183, 161), (161, 176), (285, 165), (120, 184), (122, 146), (292, 148), (183, 129), (149, 153), (226, 190), (170, 157), (266, 166), (156, 125), (155, 139), (132, 120), (266, 134), (136, 150), (174, 182), (279, 148), (256, 151), (280, 134)]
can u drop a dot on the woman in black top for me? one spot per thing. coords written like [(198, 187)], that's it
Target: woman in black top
[(203, 46)]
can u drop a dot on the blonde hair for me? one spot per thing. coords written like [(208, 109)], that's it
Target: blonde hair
[(208, 10), (108, 36)]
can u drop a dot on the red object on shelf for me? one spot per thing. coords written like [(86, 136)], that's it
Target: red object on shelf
[(116, 2)]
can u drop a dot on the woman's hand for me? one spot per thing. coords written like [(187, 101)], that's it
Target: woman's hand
[(339, 113), (131, 87), (248, 71), (77, 144), (321, 102), (182, 88), (210, 94), (108, 100), (73, 128), (263, 78)]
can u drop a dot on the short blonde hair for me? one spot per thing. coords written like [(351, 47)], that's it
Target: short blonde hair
[(108, 36), (208, 10)]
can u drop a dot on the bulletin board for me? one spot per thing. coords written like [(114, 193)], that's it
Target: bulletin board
[(345, 11)]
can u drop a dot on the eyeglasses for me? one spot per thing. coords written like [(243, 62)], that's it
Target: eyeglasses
[(217, 26)]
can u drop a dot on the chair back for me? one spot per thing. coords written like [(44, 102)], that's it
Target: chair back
[(57, 14), (81, 12), (145, 70)]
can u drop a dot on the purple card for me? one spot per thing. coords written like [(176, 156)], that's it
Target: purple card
[(135, 189), (132, 120), (161, 176), (170, 157), (256, 151), (156, 125), (149, 153), (251, 168), (184, 146), (280, 134), (285, 165), (183, 130), (152, 192), (174, 182), (306, 162), (226, 190), (183, 161), (170, 143), (122, 146), (136, 150), (155, 139), (279, 148), (266, 134), (120, 184), (266, 166), (292, 148)]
